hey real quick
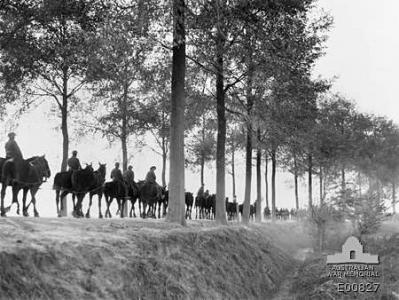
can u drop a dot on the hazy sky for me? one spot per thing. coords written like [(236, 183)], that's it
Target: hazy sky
[(362, 51)]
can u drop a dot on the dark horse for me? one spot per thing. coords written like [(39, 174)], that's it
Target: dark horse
[(83, 181), (27, 175), (63, 182), (116, 189), (189, 199), (97, 189), (149, 194)]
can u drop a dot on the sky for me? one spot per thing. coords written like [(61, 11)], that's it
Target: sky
[(361, 51)]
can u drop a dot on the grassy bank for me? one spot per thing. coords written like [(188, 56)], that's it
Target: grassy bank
[(134, 259)]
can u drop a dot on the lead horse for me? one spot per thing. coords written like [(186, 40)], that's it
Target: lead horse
[(27, 175)]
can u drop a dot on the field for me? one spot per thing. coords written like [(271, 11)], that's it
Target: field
[(152, 259)]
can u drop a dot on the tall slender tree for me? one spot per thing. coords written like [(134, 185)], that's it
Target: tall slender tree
[(176, 173)]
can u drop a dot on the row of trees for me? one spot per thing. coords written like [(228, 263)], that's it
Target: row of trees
[(238, 74)]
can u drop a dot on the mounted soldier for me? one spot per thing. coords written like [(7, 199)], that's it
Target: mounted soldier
[(128, 176), (73, 162), (116, 176), (12, 149), (151, 177)]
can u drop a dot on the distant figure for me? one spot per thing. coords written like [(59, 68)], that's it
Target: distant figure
[(12, 148), (206, 194), (128, 176), (116, 176), (200, 193), (116, 173), (151, 177), (73, 162)]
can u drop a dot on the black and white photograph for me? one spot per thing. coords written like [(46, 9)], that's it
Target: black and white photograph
[(199, 149)]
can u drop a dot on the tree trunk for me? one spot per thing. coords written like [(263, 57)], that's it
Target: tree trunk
[(343, 180), (274, 165), (176, 170), (393, 198), (202, 169), (65, 135), (202, 163), (310, 166), (124, 165), (258, 180), (296, 183), (248, 149), (321, 184), (220, 213), (266, 181), (164, 158), (233, 168)]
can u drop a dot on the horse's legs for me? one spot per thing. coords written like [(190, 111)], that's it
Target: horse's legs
[(33, 192), (123, 203), (144, 207), (74, 201), (159, 209), (24, 208), (90, 202), (140, 208), (108, 202), (15, 191), (57, 202), (118, 201), (3, 193), (100, 215)]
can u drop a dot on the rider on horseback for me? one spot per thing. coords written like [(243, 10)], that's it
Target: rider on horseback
[(200, 193), (116, 175), (128, 176), (12, 148), (73, 162), (151, 178)]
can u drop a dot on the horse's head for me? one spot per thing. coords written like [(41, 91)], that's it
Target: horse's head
[(89, 167), (102, 169), (42, 164)]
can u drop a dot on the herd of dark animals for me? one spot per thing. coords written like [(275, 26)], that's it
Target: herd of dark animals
[(27, 175)]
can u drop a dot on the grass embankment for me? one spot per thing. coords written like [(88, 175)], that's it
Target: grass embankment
[(134, 259)]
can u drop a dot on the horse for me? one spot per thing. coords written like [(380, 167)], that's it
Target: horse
[(62, 182), (133, 194), (162, 203), (116, 189), (231, 209), (97, 189), (27, 175), (199, 200), (150, 194), (165, 201), (209, 206), (189, 199), (83, 182)]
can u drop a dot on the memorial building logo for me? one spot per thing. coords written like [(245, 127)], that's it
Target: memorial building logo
[(352, 252), (353, 270)]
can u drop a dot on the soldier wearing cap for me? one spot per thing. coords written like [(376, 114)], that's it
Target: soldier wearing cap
[(128, 176), (116, 176), (12, 148), (73, 162), (151, 177)]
